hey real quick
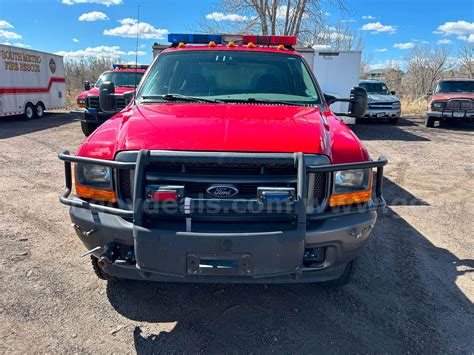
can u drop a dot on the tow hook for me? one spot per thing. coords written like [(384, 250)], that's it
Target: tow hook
[(84, 233), (111, 253), (363, 231)]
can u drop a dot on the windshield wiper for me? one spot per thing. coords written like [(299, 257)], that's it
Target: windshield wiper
[(177, 97), (253, 100)]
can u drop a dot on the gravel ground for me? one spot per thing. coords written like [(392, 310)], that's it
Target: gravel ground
[(413, 291)]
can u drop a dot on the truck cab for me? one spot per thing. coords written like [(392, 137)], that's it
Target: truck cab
[(125, 78), (228, 166)]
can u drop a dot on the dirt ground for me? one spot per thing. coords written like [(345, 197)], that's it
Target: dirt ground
[(413, 291)]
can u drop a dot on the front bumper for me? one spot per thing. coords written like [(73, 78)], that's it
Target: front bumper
[(382, 113), (169, 252), (451, 114), (90, 115)]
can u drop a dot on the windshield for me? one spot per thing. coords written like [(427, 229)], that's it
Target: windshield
[(455, 86), (375, 88), (236, 75), (120, 79)]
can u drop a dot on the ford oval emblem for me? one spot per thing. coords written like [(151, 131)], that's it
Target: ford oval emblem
[(222, 191)]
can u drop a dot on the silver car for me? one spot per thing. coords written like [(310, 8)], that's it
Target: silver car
[(382, 103)]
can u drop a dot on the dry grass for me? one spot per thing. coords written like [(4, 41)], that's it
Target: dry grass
[(413, 106)]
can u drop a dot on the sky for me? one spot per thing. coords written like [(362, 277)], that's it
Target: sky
[(96, 27)]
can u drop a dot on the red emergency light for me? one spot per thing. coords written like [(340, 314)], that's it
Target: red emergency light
[(269, 40), (130, 66)]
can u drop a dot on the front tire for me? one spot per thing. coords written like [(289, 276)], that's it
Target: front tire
[(39, 110), (88, 128), (429, 121), (29, 111), (101, 274)]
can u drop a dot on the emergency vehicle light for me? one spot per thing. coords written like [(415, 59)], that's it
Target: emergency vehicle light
[(194, 38), (269, 40), (130, 66), (286, 41)]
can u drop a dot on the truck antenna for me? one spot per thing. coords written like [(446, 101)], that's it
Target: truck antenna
[(136, 53)]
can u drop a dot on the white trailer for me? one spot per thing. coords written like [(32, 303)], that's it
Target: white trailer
[(30, 82), (337, 73)]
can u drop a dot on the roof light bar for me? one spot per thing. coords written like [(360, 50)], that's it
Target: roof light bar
[(189, 38), (130, 66)]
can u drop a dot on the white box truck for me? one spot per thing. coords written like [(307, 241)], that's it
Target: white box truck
[(30, 82), (337, 73)]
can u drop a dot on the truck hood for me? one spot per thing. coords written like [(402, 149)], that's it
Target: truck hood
[(224, 127), (452, 95), (95, 91), (382, 98)]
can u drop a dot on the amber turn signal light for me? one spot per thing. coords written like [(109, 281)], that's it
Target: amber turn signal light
[(96, 194)]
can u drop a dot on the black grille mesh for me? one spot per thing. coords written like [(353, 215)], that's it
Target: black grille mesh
[(319, 186)]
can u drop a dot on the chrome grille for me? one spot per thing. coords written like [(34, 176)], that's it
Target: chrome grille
[(460, 104), (93, 102)]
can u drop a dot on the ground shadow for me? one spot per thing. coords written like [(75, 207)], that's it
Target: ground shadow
[(404, 298), (458, 125), (16, 125), (381, 130)]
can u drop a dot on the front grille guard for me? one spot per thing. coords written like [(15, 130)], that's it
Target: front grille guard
[(146, 157)]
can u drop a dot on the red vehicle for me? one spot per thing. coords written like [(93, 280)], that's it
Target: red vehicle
[(125, 78), (227, 166), (453, 99)]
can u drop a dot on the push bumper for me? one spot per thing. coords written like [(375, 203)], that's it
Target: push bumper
[(451, 114), (90, 115), (382, 113), (178, 256), (169, 252)]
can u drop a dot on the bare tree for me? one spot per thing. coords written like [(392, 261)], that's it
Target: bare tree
[(466, 60), (426, 65), (302, 18)]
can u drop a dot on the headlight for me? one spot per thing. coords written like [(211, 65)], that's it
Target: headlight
[(396, 105), (437, 105), (94, 175), (81, 102), (351, 186), (94, 182)]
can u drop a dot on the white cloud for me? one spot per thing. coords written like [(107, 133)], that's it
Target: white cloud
[(469, 38), (5, 24), (444, 41), (142, 45), (348, 20), (128, 28), (9, 35), (368, 17), (17, 44), (99, 51), (381, 50), (101, 2), (219, 16), (281, 13), (137, 53), (463, 30), (391, 63), (406, 45), (377, 27), (75, 40), (93, 16)]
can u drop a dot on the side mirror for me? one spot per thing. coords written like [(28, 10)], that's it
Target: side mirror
[(429, 93), (358, 102), (330, 99), (87, 85), (107, 96), (393, 92)]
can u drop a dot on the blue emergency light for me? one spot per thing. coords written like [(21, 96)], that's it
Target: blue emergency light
[(194, 38)]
